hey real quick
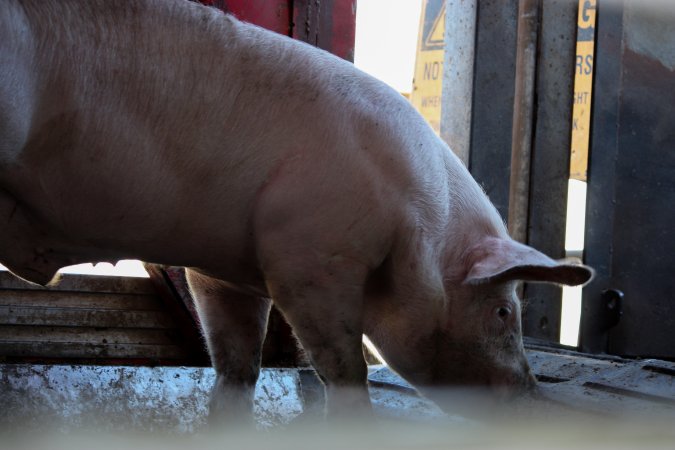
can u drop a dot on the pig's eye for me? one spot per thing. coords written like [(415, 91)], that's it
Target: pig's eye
[(503, 312)]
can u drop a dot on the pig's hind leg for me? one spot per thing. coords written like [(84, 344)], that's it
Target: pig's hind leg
[(323, 302), (234, 325)]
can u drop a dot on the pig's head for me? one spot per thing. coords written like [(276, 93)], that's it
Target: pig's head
[(476, 339)]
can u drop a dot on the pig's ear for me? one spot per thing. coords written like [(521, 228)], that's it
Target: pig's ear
[(497, 259)]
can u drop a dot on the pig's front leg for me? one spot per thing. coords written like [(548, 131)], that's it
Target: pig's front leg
[(234, 326), (323, 302)]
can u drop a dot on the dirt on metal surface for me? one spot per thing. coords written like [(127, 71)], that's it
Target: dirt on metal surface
[(610, 387)]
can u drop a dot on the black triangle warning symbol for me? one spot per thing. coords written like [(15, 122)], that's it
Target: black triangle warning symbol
[(434, 38)]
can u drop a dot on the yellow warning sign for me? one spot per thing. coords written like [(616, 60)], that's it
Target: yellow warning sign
[(435, 36), (428, 81), (583, 85)]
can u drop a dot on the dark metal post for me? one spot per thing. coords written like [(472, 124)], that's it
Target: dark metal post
[(523, 116), (549, 170), (493, 94), (593, 337)]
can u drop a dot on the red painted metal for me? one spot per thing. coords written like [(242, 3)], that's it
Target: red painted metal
[(327, 24), (274, 15), (344, 28)]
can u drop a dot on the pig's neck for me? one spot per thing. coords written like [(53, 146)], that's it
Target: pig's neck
[(472, 218), (405, 324)]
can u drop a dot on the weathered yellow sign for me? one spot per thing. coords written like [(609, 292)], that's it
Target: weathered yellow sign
[(583, 85), (428, 82)]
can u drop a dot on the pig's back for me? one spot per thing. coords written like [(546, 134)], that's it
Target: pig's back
[(173, 119)]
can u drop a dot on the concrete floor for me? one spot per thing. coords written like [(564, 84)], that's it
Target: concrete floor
[(173, 400)]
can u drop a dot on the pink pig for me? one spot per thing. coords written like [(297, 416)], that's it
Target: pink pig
[(275, 172)]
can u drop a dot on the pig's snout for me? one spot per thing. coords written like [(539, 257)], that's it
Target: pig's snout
[(510, 386)]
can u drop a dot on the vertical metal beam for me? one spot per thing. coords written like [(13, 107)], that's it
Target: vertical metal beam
[(493, 96), (549, 170), (460, 39), (523, 118), (600, 206)]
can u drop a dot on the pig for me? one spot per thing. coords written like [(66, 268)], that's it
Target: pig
[(273, 172)]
